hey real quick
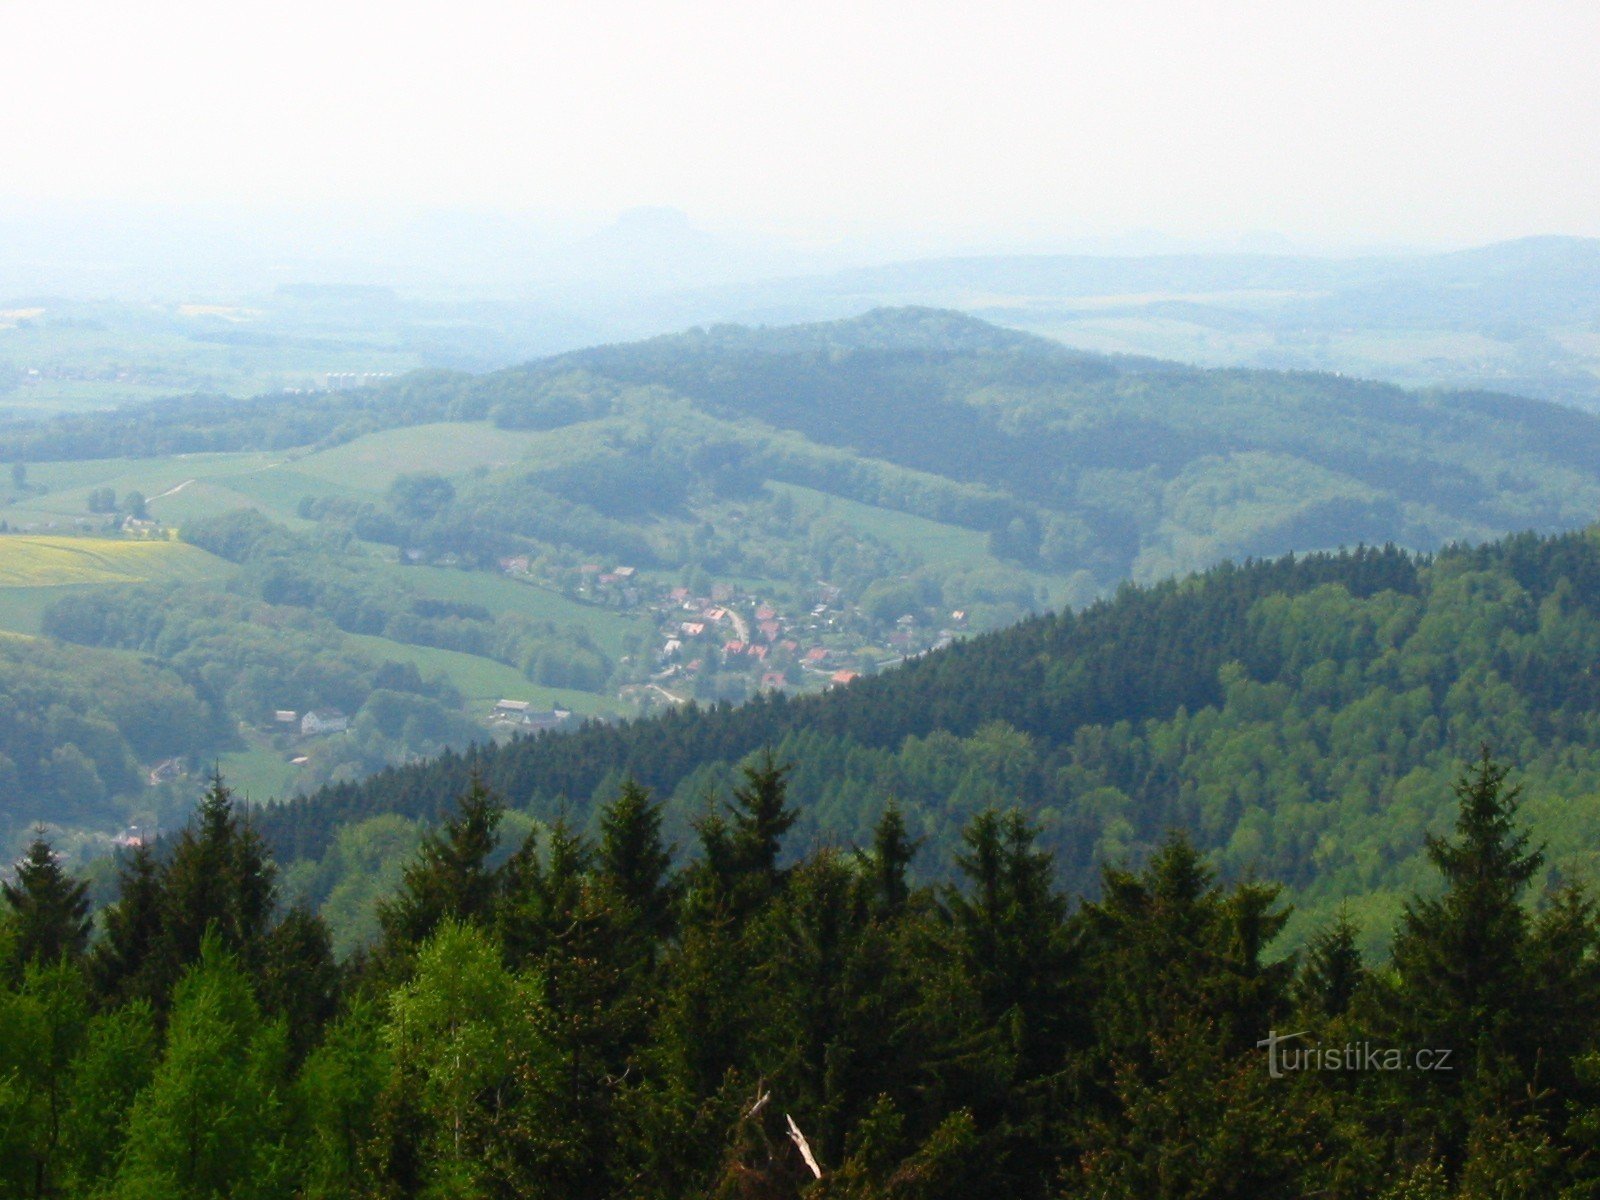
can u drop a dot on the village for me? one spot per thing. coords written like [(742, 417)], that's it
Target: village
[(727, 641)]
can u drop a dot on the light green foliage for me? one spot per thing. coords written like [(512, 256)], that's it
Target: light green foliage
[(213, 1116), (338, 1090), (455, 1033), (43, 1023), (120, 1050)]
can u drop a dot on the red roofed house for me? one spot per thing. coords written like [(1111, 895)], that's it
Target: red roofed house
[(773, 679), (769, 630), (816, 654), (845, 676)]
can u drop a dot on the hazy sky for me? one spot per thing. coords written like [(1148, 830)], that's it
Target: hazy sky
[(1327, 120)]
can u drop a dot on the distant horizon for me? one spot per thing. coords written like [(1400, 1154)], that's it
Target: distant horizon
[(837, 133), (160, 252)]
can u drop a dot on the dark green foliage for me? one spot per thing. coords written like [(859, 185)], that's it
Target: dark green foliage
[(632, 860), (50, 909), (540, 1037), (1461, 957), (450, 880), (740, 869), (418, 496), (892, 852), (1332, 970), (218, 882), (75, 726)]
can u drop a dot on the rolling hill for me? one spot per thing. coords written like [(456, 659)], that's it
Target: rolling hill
[(876, 486), (1300, 719)]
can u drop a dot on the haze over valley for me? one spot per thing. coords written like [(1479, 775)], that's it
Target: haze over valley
[(831, 602)]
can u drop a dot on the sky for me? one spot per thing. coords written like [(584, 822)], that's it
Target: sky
[(1328, 124)]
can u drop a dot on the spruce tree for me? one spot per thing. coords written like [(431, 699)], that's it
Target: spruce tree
[(123, 963), (633, 861), (1460, 956), (893, 848), (1332, 970), (450, 878), (298, 979), (219, 877), (50, 908), (738, 869), (760, 817)]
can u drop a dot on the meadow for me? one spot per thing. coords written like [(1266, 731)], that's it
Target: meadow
[(43, 562)]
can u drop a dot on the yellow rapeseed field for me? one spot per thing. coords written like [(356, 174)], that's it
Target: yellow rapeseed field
[(27, 561)]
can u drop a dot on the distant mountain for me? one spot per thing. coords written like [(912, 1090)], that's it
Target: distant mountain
[(899, 467), (1516, 316), (1113, 467)]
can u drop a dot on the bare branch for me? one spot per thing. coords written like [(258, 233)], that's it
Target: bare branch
[(799, 1139)]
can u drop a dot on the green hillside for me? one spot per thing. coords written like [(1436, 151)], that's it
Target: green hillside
[(1298, 718), (711, 516)]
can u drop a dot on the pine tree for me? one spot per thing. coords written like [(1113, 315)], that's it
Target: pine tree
[(1011, 936), (538, 899), (220, 878), (1460, 957), (1462, 977), (298, 979), (50, 909), (893, 848), (123, 963), (450, 878), (633, 861), (760, 817), (1332, 970)]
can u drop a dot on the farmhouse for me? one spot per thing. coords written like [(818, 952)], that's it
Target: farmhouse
[(522, 712), (324, 720)]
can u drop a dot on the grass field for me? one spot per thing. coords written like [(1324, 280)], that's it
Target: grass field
[(259, 774), (453, 448), (931, 541), (481, 680), (501, 595), (22, 608), (41, 562)]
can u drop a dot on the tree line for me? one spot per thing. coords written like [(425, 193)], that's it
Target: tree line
[(575, 1016)]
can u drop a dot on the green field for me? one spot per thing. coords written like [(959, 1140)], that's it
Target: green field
[(259, 773), (22, 608), (38, 562), (371, 463), (499, 594), (481, 680), (931, 541)]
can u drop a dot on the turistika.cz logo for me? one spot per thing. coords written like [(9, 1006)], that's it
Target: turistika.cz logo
[(1352, 1056)]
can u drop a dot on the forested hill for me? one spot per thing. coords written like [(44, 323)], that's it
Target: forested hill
[(1300, 717), (1114, 467)]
